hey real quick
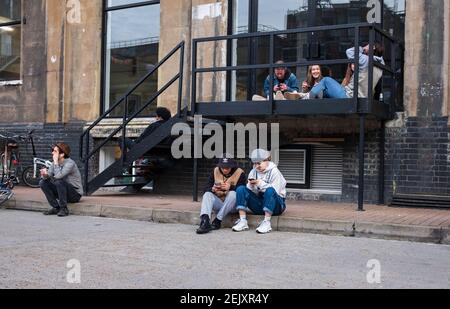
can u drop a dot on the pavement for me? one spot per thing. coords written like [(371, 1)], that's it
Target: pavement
[(408, 224), (80, 252)]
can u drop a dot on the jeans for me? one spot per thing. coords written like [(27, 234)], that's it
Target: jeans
[(330, 88), (212, 203), (59, 193), (268, 201)]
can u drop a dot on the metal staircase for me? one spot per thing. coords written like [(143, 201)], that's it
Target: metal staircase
[(160, 135)]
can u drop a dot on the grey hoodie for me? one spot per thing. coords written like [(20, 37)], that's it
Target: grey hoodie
[(270, 178), (363, 89)]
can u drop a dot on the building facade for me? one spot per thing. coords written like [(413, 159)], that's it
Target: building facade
[(64, 63)]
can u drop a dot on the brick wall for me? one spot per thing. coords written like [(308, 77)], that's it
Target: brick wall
[(179, 180), (418, 157), (351, 168), (45, 136)]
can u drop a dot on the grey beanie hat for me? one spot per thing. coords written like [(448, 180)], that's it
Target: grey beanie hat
[(259, 155)]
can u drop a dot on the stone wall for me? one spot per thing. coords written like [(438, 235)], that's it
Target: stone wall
[(27, 102)]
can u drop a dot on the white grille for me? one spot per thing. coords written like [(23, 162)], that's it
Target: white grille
[(293, 165), (327, 168)]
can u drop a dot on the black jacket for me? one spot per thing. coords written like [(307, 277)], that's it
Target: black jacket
[(211, 181), (150, 129)]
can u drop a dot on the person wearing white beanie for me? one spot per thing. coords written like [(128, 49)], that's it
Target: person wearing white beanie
[(265, 193)]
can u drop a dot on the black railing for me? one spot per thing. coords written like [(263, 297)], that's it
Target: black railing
[(85, 137), (353, 105)]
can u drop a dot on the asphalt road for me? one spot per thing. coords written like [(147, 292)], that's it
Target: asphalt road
[(105, 253)]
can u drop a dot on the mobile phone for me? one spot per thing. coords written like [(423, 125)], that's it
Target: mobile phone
[(251, 179)]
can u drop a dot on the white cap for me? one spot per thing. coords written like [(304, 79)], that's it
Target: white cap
[(259, 155)]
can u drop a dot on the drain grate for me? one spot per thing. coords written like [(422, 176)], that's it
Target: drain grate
[(422, 201)]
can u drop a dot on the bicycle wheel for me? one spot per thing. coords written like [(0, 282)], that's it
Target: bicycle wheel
[(30, 178), (5, 195)]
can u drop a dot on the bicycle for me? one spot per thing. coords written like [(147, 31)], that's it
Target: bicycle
[(5, 193), (9, 163), (31, 175)]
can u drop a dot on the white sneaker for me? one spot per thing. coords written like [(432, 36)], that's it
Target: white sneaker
[(241, 225), (258, 98), (279, 96), (292, 96), (264, 228), (304, 96)]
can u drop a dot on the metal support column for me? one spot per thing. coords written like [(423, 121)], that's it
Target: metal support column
[(195, 181), (381, 170), (362, 141)]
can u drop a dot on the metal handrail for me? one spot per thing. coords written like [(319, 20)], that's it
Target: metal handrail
[(139, 83), (127, 119), (373, 28), (283, 32)]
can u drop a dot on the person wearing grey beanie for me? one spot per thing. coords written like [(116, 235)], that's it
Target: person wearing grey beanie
[(265, 193)]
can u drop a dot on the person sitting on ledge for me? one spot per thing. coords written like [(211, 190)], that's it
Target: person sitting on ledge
[(220, 193), (285, 85), (61, 183), (265, 193)]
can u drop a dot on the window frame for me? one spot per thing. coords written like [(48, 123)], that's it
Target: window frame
[(21, 22), (106, 9)]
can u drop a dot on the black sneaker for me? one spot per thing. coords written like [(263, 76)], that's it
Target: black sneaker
[(205, 225), (51, 212), (63, 212), (216, 224)]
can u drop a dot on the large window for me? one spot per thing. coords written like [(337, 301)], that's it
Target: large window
[(269, 15), (131, 51), (10, 40)]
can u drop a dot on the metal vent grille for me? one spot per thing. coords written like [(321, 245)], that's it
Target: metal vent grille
[(327, 168), (421, 201), (293, 165)]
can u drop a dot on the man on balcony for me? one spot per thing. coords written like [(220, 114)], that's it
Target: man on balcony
[(285, 84)]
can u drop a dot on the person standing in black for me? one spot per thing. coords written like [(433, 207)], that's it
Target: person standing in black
[(162, 115)]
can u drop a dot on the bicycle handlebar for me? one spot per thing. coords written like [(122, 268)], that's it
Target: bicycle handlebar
[(20, 137)]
